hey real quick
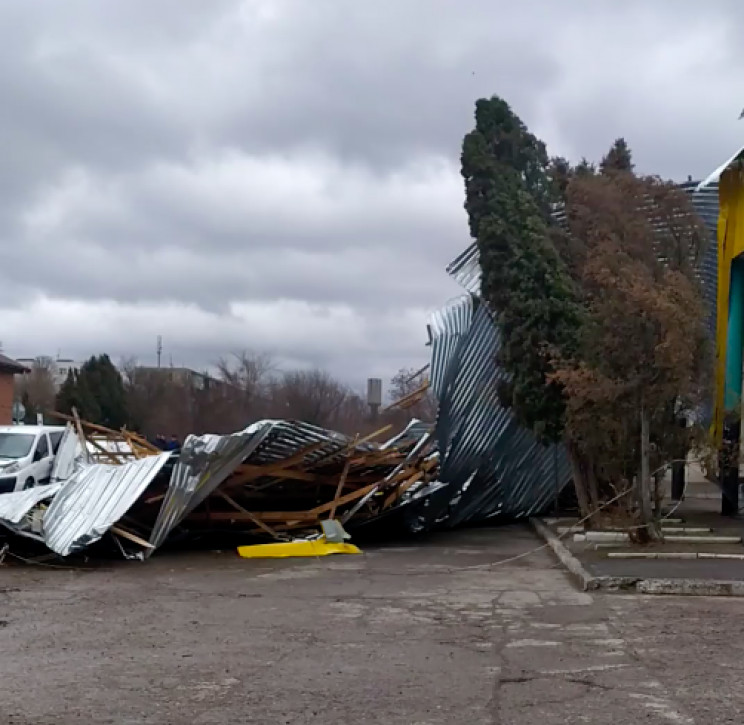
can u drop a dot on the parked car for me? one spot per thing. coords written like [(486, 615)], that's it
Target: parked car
[(26, 455)]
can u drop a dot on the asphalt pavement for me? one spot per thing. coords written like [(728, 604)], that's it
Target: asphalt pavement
[(432, 631)]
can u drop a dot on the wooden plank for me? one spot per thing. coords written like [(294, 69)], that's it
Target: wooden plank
[(132, 537), (142, 442), (292, 525), (107, 454), (341, 482), (400, 490), (80, 434), (248, 473), (379, 458), (410, 398), (83, 440), (358, 441), (282, 516), (353, 496), (294, 459), (253, 518), (110, 433)]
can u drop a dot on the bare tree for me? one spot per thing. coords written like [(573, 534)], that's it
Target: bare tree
[(36, 389), (312, 396), (410, 387), (246, 371)]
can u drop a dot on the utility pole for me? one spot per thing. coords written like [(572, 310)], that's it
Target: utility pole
[(160, 348), (679, 465), (374, 396), (644, 487)]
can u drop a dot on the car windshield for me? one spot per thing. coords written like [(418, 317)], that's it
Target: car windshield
[(15, 445)]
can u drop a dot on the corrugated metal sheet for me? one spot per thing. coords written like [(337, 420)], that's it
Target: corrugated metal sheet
[(14, 506), (415, 431), (447, 327), (716, 175), (65, 460), (493, 465), (94, 499), (705, 201), (203, 464), (465, 269)]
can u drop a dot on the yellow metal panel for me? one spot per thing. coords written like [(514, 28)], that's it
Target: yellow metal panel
[(285, 549), (730, 245)]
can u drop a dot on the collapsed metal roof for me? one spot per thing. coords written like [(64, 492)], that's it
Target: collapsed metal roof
[(90, 502), (203, 464), (492, 465), (16, 507)]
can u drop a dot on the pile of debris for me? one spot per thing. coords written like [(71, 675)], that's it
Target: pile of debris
[(279, 480), (274, 480)]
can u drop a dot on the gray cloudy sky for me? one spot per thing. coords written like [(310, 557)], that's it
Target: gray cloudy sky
[(282, 175)]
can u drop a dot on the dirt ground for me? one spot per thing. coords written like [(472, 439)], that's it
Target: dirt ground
[(433, 631)]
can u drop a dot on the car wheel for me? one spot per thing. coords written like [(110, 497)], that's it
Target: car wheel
[(29, 483)]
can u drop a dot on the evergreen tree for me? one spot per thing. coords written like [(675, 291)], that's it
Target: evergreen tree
[(560, 174), (97, 392), (618, 158), (585, 168), (524, 281)]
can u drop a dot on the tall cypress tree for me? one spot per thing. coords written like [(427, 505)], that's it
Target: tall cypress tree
[(508, 192)]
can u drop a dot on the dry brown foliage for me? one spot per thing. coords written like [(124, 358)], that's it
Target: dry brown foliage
[(631, 245)]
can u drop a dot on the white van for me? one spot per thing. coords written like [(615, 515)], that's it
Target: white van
[(26, 455)]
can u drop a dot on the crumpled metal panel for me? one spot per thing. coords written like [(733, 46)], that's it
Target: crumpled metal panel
[(286, 438), (490, 465), (94, 499), (15, 506), (206, 461), (203, 464), (415, 431), (446, 328), (466, 271), (705, 202), (66, 458)]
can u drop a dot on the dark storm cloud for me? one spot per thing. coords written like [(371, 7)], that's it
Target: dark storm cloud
[(301, 157)]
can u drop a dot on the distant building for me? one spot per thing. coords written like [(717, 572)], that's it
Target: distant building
[(59, 367), (186, 377), (8, 370)]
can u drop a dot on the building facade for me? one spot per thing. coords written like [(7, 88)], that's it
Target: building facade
[(58, 367), (8, 370)]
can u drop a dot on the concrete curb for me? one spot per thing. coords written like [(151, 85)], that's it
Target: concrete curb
[(639, 585), (585, 579), (691, 587)]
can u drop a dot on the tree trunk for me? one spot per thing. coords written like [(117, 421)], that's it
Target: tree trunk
[(580, 484), (643, 489), (594, 498)]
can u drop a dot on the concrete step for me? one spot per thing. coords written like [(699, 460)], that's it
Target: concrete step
[(671, 555), (620, 537)]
